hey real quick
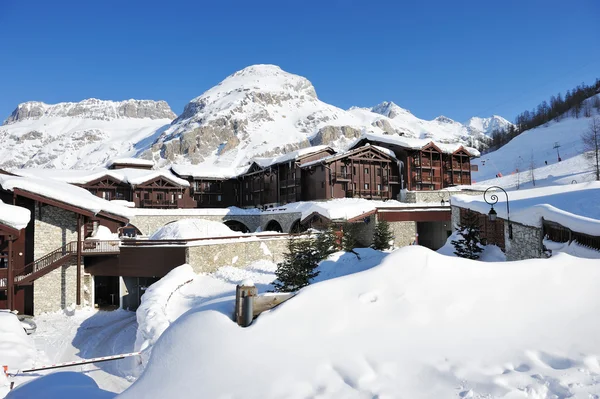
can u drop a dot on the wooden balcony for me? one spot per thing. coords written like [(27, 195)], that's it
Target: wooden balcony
[(343, 176), (391, 180), (148, 203), (289, 183)]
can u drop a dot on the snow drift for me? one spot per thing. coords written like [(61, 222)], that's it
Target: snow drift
[(420, 325), (192, 228)]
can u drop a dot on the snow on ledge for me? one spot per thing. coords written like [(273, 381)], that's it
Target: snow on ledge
[(575, 206), (14, 216), (129, 161)]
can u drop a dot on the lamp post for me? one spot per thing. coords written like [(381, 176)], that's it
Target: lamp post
[(493, 199)]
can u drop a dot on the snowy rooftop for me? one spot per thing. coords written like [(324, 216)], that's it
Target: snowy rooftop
[(264, 162), (14, 216), (384, 150), (63, 192), (576, 206), (126, 175), (208, 171), (416, 144), (129, 161)]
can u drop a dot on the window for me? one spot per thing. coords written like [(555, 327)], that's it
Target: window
[(179, 196), (146, 196), (366, 186), (246, 197), (366, 171), (354, 170), (379, 187), (378, 171), (322, 184), (345, 186), (246, 185), (218, 198)]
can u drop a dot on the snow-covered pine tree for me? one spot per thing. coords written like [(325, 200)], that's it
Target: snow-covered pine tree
[(350, 238), (298, 266), (469, 244), (326, 242), (383, 235)]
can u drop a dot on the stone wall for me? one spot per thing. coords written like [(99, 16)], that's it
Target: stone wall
[(455, 219), (436, 196), (404, 233), (56, 290), (149, 224), (525, 244), (208, 258), (53, 228)]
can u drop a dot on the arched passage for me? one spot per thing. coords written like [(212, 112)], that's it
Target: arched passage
[(237, 226), (297, 227), (274, 225)]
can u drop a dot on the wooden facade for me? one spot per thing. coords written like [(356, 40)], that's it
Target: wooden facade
[(109, 188), (161, 192), (365, 172)]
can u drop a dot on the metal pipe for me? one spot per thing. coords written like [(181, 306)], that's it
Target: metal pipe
[(247, 310)]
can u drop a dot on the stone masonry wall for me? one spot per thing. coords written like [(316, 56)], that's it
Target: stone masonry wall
[(208, 258), (455, 217), (55, 290), (53, 228), (525, 244), (404, 233), (149, 224)]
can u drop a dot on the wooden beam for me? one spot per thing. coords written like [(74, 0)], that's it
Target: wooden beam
[(78, 291), (10, 279)]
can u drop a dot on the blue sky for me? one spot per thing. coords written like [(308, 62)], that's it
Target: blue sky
[(456, 58)]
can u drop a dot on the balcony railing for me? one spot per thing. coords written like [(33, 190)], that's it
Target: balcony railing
[(343, 176), (148, 203), (289, 183), (391, 179)]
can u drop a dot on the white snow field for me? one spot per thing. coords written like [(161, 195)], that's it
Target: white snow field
[(420, 325), (539, 144), (192, 228), (16, 348)]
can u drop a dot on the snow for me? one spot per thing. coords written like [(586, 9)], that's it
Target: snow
[(14, 216), (233, 210), (192, 228), (16, 348), (539, 144), (75, 142), (62, 192), (103, 233), (129, 161), (61, 385), (575, 206), (290, 156), (208, 170), (490, 253), (131, 176), (573, 249), (416, 144), (420, 325)]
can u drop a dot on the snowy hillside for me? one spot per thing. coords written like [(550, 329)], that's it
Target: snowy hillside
[(265, 111), (79, 135), (537, 146)]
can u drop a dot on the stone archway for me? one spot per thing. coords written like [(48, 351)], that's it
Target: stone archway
[(274, 225), (236, 225)]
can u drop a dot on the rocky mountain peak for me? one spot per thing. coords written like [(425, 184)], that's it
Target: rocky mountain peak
[(93, 108), (444, 119), (389, 109)]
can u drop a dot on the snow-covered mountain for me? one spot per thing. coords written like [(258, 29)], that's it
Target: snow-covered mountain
[(264, 111), (79, 135), (488, 125), (258, 111)]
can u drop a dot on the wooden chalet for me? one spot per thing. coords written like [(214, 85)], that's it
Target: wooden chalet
[(365, 172), (210, 190), (162, 192), (428, 167), (110, 188), (279, 180)]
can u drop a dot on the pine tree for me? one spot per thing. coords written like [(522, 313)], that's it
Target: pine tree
[(469, 244), (383, 235), (326, 243), (298, 266), (350, 238)]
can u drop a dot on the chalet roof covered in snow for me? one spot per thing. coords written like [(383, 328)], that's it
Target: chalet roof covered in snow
[(293, 155), (415, 144), (129, 161), (208, 171), (14, 216), (63, 192), (340, 155), (576, 206), (126, 175)]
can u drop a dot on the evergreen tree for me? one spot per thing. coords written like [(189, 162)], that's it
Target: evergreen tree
[(298, 266), (383, 235), (350, 238), (469, 244), (326, 243)]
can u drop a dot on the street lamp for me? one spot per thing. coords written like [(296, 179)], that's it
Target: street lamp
[(492, 213)]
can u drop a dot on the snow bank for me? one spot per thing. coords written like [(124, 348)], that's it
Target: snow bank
[(192, 228), (420, 325), (60, 385), (17, 350), (576, 206), (490, 253), (14, 216), (103, 233), (151, 315), (573, 249)]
